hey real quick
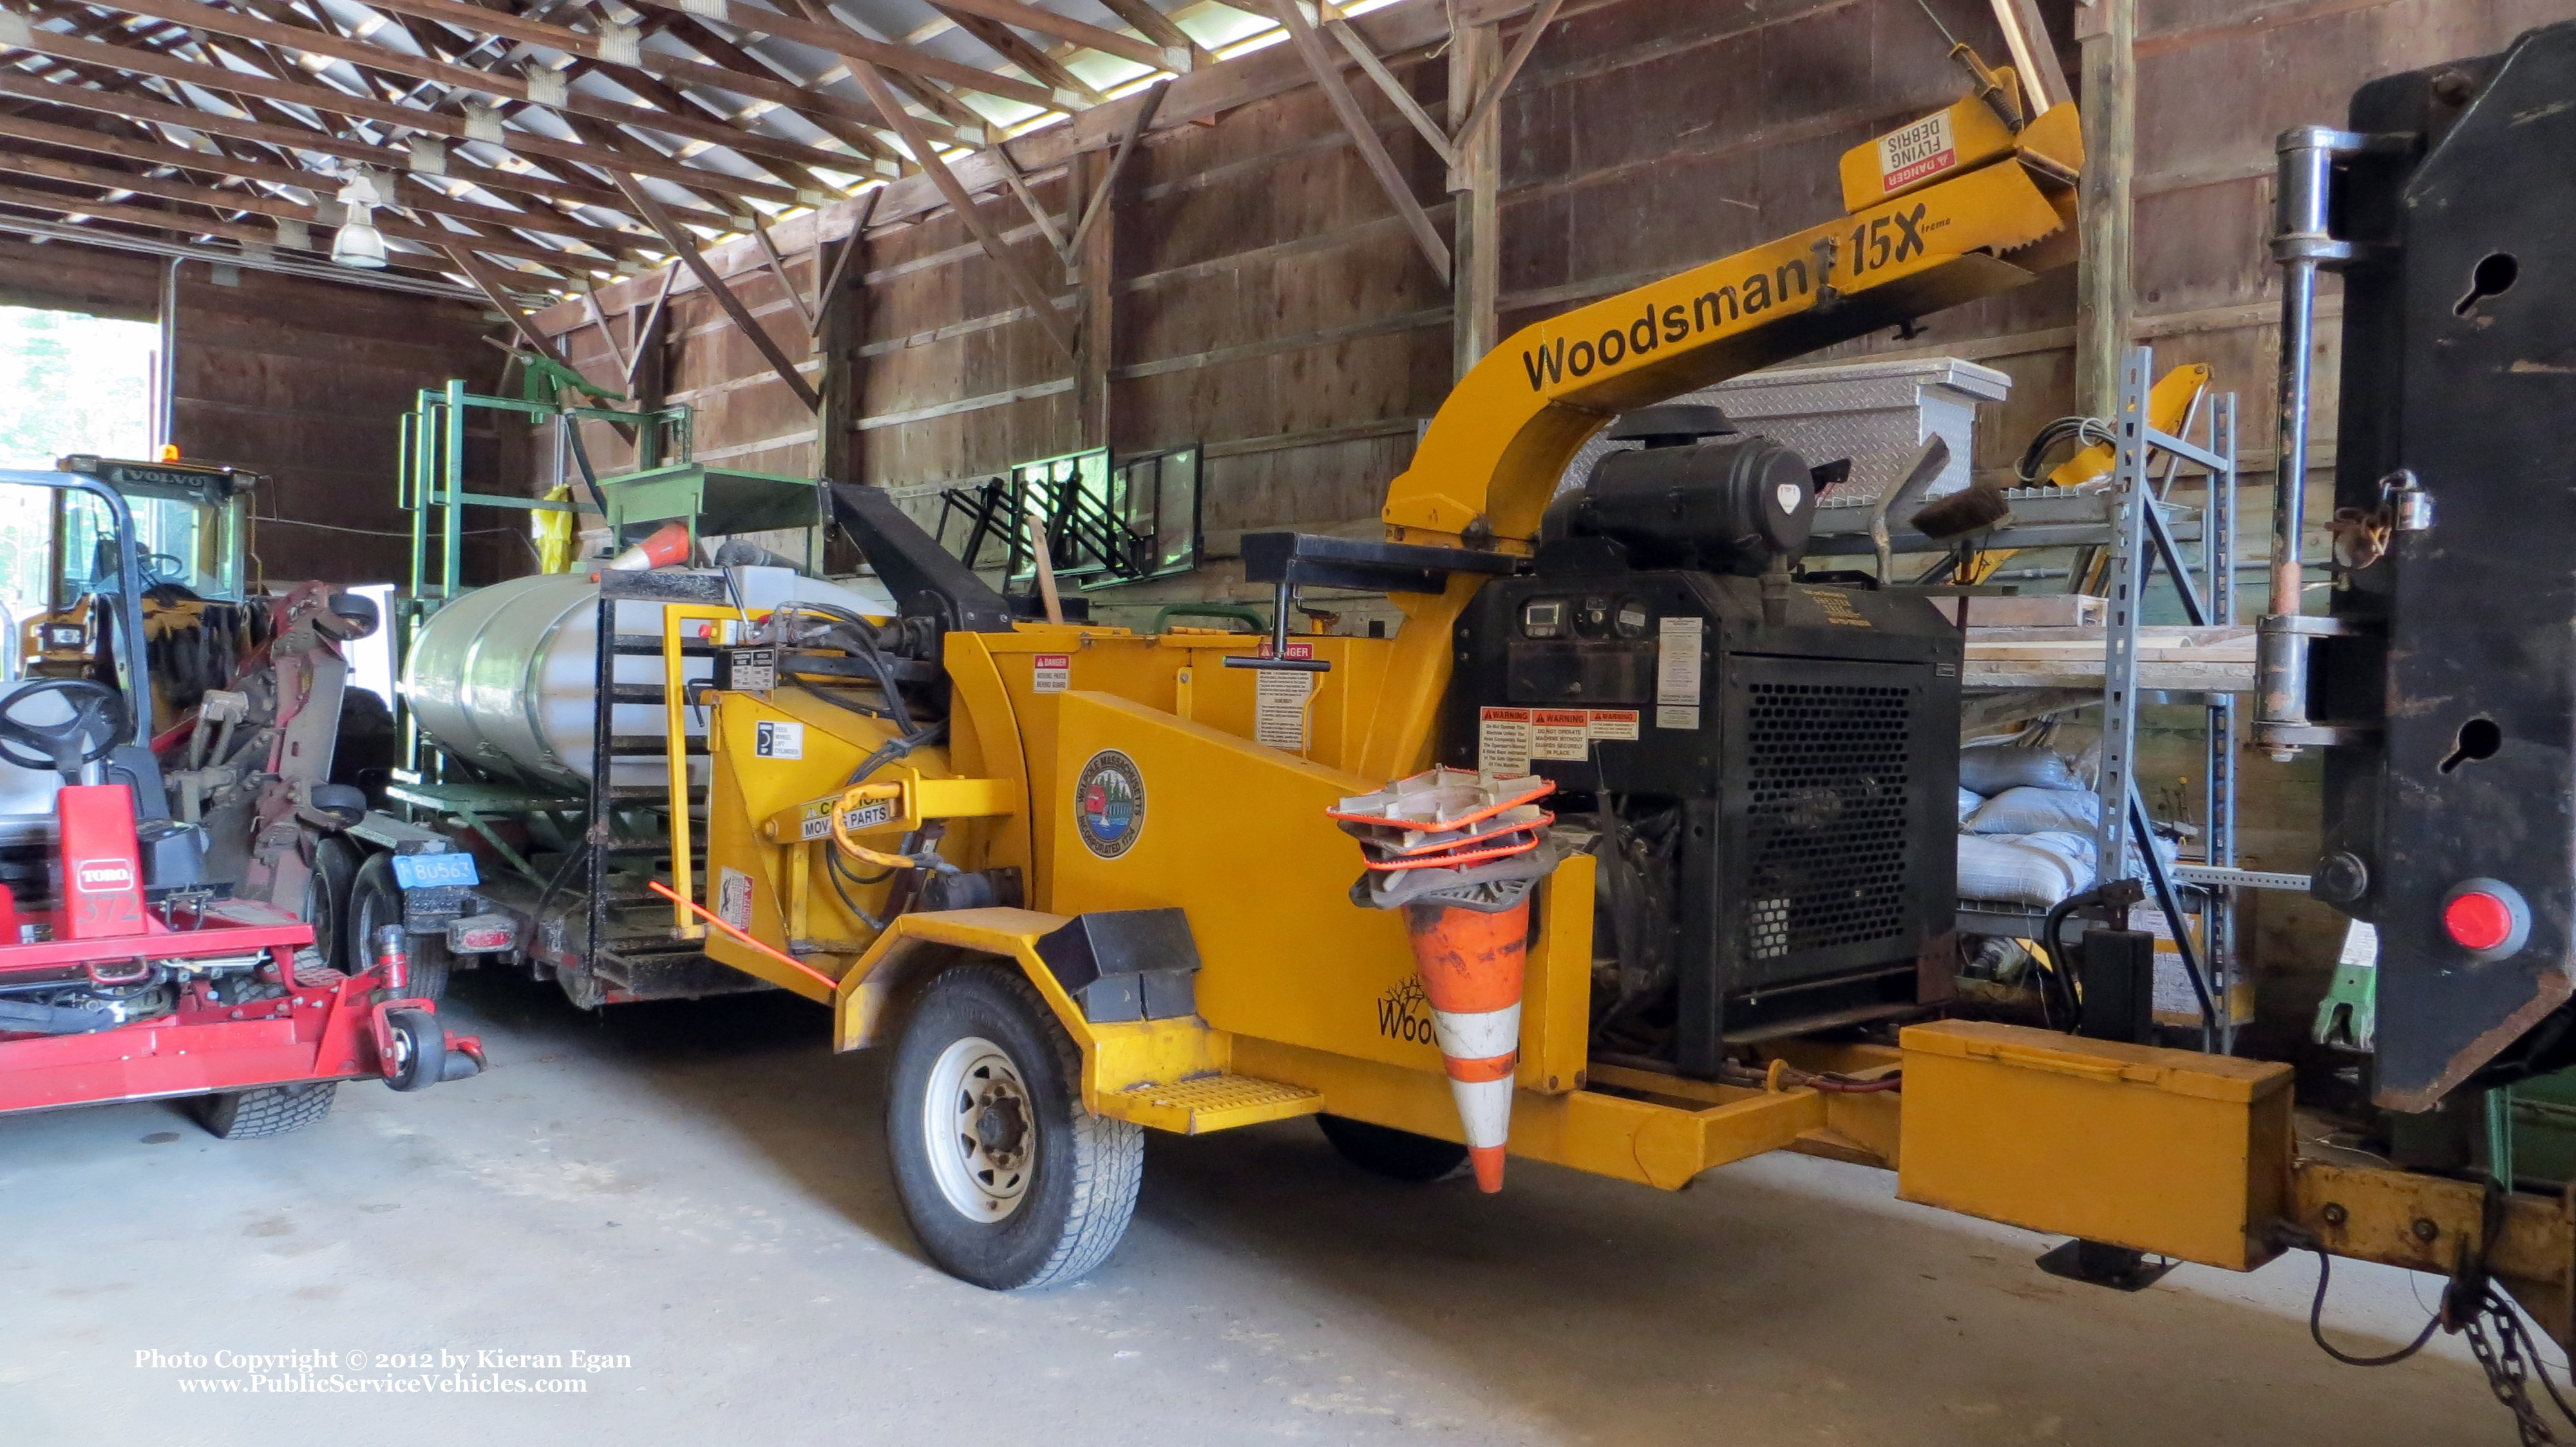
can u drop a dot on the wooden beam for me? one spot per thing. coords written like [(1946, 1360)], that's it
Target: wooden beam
[(1092, 37), (1490, 100), (1157, 27), (1393, 89), (337, 102), (724, 75), (828, 286), (599, 323), (288, 140), (1019, 185), (778, 268), (1005, 42), (669, 119), (648, 332), (1475, 185), (220, 201), (2034, 54), (2105, 296), (410, 194), (489, 282), (1099, 202), (1040, 304), (855, 49), (1328, 79), (854, 125), (1095, 269), (660, 220)]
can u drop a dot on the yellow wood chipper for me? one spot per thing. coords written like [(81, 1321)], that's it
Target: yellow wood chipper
[(1086, 881)]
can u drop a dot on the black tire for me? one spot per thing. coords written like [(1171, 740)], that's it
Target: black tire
[(1398, 1155), (1076, 1190), (375, 901), (326, 898), (241, 1115), (363, 754), (423, 1045)]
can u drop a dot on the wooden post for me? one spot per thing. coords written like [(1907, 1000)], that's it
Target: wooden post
[(1094, 270), (2105, 296), (840, 328), (1476, 279)]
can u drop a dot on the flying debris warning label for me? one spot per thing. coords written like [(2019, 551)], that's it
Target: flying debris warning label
[(1910, 153), (1054, 671)]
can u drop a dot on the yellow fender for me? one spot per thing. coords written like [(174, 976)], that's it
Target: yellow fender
[(1116, 1058)]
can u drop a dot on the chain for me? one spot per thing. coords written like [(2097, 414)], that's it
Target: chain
[(2508, 1374)]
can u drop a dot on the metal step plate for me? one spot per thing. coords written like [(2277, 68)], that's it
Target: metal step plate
[(1211, 1103)]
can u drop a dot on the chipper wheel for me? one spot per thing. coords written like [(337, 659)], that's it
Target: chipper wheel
[(1398, 1155), (1008, 1182), (241, 1115)]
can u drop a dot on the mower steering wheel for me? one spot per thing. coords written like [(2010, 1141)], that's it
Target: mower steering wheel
[(98, 713)]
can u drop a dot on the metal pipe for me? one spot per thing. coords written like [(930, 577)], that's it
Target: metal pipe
[(2301, 242), (283, 266), (165, 381)]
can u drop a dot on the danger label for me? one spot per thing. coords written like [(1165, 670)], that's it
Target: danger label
[(1503, 741), (1053, 672), (1907, 155), (1279, 702)]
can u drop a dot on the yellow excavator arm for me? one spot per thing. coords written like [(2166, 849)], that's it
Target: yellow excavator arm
[(1948, 209)]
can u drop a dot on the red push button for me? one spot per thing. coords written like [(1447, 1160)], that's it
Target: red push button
[(2477, 920)]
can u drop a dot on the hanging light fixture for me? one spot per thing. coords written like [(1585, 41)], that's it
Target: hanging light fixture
[(358, 243)]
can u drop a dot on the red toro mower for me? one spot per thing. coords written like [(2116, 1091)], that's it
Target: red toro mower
[(123, 974)]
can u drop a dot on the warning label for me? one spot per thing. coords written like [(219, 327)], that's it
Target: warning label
[(1503, 741), (1053, 672), (1280, 705), (1561, 733), (1907, 155), (733, 898), (1612, 723), (1677, 642)]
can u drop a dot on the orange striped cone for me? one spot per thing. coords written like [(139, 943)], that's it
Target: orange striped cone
[(1471, 964), (668, 544)]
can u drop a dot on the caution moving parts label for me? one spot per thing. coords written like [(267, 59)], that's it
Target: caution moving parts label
[(1507, 739)]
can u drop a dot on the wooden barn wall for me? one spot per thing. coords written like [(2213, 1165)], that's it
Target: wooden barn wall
[(1266, 303), (303, 380), (306, 381)]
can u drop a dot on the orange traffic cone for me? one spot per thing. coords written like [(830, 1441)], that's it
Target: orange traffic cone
[(1471, 964), (668, 544)]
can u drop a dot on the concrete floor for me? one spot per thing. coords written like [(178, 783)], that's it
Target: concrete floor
[(699, 1189)]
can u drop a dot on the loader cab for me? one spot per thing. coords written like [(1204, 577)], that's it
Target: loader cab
[(192, 520)]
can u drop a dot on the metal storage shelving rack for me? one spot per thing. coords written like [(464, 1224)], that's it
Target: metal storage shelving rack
[(2139, 530)]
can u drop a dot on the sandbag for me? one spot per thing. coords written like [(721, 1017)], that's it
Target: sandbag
[(2028, 810), (1992, 769), (2010, 871), (1969, 802)]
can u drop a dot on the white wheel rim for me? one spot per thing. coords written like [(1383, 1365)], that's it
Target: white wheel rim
[(981, 1129)]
